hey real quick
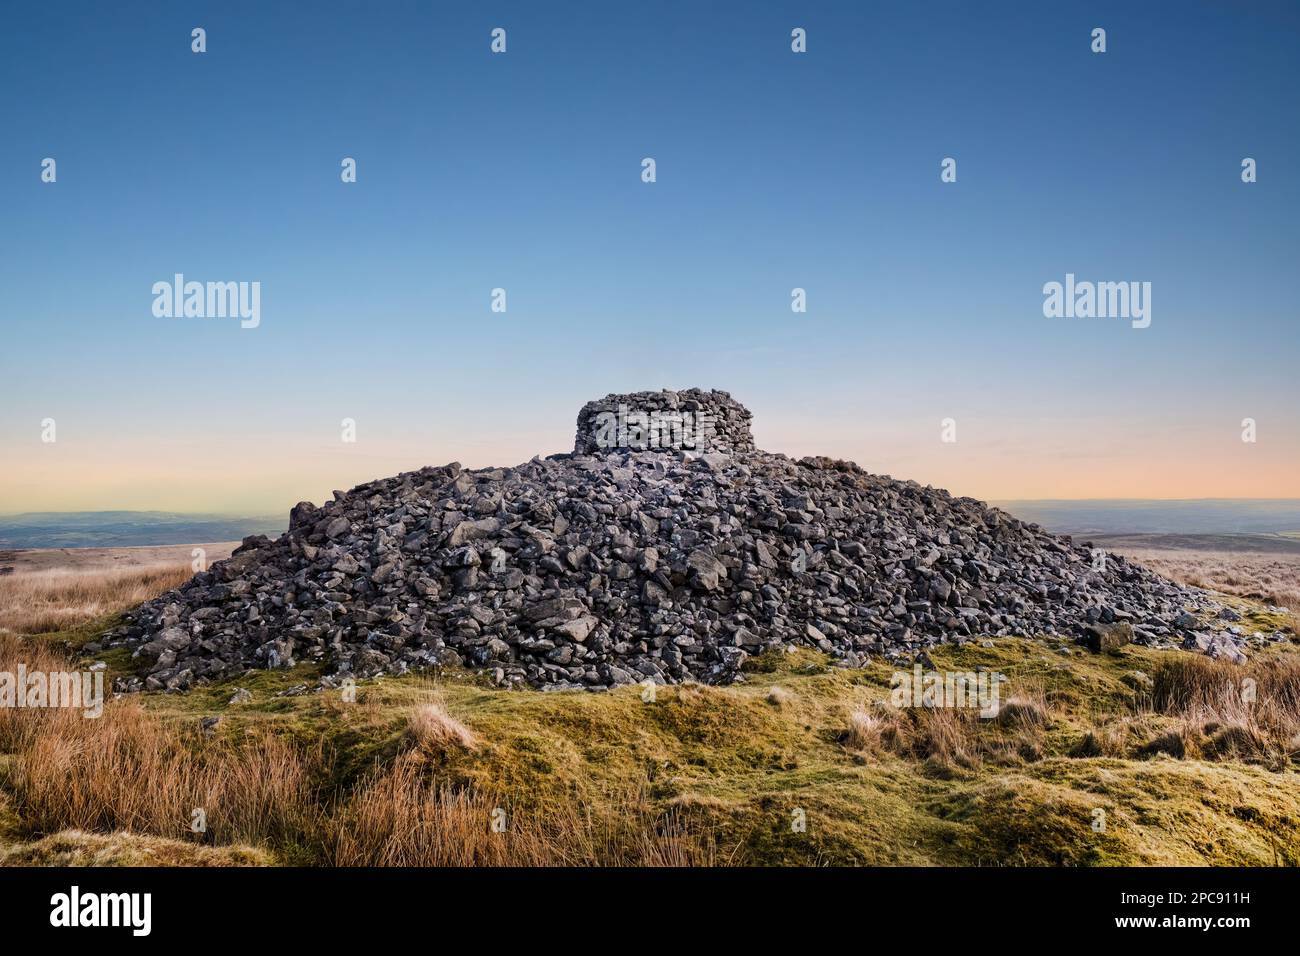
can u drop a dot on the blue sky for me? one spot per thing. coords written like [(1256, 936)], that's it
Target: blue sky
[(522, 171)]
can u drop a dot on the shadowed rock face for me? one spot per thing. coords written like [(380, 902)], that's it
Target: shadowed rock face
[(689, 420), (622, 563)]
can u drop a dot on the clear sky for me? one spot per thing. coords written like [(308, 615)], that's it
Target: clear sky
[(775, 170)]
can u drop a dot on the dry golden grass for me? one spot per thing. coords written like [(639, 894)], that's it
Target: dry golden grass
[(866, 731), (1198, 708), (402, 817), (87, 774), (434, 729), (1270, 577), (1249, 713), (1023, 712), (40, 602), (121, 788), (73, 772), (19, 726), (948, 738), (398, 818)]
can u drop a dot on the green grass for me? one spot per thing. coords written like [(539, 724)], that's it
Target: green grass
[(732, 762)]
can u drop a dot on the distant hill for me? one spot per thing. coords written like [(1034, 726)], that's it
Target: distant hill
[(126, 529), (1194, 516), (1271, 544)]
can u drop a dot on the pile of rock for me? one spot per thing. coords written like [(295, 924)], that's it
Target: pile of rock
[(621, 563), (689, 420)]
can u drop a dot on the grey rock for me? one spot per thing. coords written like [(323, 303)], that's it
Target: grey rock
[(1108, 638)]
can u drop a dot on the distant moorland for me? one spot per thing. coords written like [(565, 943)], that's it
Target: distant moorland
[(128, 529), (1208, 516), (1160, 516)]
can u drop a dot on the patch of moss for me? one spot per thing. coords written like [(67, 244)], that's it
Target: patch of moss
[(1258, 619)]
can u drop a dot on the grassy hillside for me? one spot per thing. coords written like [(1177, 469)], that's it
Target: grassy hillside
[(1143, 757)]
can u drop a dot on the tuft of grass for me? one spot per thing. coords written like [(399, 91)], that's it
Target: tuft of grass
[(1239, 740), (867, 732), (1119, 735), (778, 696), (1023, 712), (433, 729), (1181, 743)]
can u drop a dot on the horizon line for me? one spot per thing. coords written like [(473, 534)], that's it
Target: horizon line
[(253, 514)]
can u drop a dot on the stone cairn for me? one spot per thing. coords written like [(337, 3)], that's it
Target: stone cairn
[(689, 420), (665, 547)]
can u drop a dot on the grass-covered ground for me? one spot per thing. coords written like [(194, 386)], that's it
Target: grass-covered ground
[(1143, 757)]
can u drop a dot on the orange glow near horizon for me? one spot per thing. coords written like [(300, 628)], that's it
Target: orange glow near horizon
[(268, 474)]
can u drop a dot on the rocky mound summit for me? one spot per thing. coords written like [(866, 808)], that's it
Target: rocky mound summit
[(665, 547)]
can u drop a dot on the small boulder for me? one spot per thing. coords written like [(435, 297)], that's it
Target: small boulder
[(1108, 638)]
